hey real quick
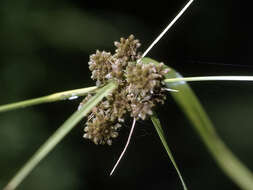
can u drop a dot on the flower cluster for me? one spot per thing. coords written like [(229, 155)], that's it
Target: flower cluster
[(144, 87), (139, 89)]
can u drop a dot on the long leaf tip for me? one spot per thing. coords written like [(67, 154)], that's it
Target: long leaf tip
[(125, 148), (158, 127)]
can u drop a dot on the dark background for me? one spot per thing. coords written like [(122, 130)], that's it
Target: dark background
[(45, 47)]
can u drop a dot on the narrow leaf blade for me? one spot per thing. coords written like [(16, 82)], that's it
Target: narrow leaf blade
[(159, 130), (46, 99), (59, 134), (209, 78), (194, 111)]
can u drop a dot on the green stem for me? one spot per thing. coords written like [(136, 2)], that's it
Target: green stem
[(46, 99), (61, 132), (210, 78)]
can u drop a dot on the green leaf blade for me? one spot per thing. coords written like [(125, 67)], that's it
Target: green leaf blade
[(209, 78), (159, 130), (193, 110), (58, 135), (47, 99)]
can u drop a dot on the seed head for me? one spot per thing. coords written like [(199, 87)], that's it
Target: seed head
[(127, 48), (140, 89)]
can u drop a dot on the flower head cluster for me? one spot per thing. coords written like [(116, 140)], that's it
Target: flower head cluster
[(144, 87), (139, 89)]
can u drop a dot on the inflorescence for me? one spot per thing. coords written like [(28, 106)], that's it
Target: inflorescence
[(140, 88)]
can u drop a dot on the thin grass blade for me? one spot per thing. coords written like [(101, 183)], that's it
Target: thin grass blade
[(159, 130), (209, 78), (47, 99), (59, 134), (194, 111)]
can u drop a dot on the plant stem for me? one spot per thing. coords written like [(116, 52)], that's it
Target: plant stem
[(210, 78), (46, 99), (58, 135)]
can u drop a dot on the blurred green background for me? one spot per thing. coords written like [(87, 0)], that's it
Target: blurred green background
[(45, 47)]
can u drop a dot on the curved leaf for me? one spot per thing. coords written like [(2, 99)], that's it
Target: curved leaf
[(194, 111)]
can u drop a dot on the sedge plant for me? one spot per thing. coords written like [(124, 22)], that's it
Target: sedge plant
[(129, 83)]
